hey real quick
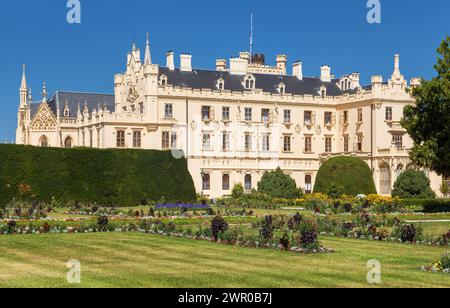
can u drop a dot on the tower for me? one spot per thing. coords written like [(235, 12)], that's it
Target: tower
[(23, 105)]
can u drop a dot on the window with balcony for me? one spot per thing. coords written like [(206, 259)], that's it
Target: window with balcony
[(168, 111), (397, 141), (206, 113)]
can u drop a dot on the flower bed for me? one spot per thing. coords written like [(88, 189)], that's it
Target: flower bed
[(440, 266)]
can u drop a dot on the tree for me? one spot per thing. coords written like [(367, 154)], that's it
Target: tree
[(345, 175), (238, 191), (276, 184), (413, 184), (445, 189), (427, 122)]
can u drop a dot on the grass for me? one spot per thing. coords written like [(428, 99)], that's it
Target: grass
[(140, 260)]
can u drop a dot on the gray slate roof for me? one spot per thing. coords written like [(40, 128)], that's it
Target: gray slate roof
[(204, 79), (92, 100)]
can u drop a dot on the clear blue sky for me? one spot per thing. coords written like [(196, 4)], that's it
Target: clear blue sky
[(85, 57)]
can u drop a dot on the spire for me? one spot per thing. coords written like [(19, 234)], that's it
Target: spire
[(23, 85), (148, 57), (44, 93)]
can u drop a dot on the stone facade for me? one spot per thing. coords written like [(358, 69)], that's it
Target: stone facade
[(236, 122)]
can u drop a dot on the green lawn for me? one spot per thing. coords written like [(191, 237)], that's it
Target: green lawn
[(140, 260)]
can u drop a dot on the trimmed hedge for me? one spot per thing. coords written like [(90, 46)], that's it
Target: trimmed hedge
[(437, 206), (350, 174), (107, 177)]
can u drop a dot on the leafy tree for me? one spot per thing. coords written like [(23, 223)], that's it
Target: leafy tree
[(345, 175), (276, 184), (413, 184), (238, 191), (427, 122), (445, 189)]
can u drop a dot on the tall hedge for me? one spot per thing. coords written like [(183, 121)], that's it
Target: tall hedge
[(108, 177), (350, 174)]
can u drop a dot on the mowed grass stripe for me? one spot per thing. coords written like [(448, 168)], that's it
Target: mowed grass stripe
[(140, 260)]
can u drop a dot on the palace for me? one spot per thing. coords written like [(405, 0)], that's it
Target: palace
[(236, 122)]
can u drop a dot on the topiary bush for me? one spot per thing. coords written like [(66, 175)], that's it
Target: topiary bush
[(351, 175), (413, 184), (436, 206), (276, 184), (124, 177)]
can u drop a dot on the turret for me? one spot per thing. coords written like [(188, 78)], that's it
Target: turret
[(23, 89)]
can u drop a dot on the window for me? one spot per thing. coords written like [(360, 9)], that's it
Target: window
[(266, 142), (136, 139), (206, 181), (388, 113), (399, 170), (66, 111), (287, 116), (163, 80), (308, 117), (226, 142), (168, 111), (282, 89), (206, 142), (248, 142), (165, 140), (346, 144), (83, 137), (226, 182), (249, 82), (248, 114), (385, 179), (91, 138), (323, 91), (308, 144), (328, 145), (141, 108), (173, 143), (68, 143), (287, 144), (206, 113), (345, 119), (220, 84), (359, 145), (308, 184), (397, 141), (120, 138), (44, 141), (225, 113), (248, 182), (265, 115), (360, 115), (328, 118)]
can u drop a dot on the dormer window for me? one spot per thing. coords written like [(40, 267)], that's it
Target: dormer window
[(163, 80), (220, 84), (282, 88), (249, 82), (323, 91), (66, 111)]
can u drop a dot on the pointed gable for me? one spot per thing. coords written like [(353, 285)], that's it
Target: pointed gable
[(44, 119)]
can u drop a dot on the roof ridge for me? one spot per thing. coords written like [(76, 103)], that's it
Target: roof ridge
[(81, 92)]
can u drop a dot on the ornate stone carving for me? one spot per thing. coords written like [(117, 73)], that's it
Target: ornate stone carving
[(44, 119)]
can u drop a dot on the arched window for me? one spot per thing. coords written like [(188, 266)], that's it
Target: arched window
[(385, 179), (220, 84), (68, 142), (44, 141), (66, 111), (308, 184), (282, 88), (323, 91), (249, 83), (163, 80), (248, 182)]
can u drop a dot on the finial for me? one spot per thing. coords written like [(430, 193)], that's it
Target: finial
[(23, 85), (44, 90), (148, 57)]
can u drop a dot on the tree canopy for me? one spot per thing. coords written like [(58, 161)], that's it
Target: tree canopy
[(413, 184), (276, 184), (428, 121)]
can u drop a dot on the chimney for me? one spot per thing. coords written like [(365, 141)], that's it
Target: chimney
[(297, 70), (186, 63), (170, 60), (282, 63), (221, 65), (355, 81), (238, 66), (377, 83), (325, 73), (397, 63)]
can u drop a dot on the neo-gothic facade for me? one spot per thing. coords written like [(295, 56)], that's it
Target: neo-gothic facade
[(234, 123)]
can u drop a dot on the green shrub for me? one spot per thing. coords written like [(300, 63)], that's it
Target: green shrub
[(349, 173), (413, 184), (436, 206), (276, 184), (238, 191), (108, 177)]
